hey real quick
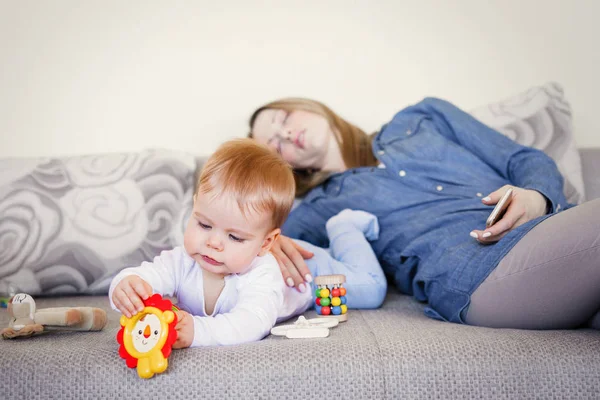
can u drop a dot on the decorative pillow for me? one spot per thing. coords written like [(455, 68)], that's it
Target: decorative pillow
[(69, 225), (541, 118)]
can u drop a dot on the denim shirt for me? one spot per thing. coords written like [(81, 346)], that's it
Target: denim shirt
[(437, 163)]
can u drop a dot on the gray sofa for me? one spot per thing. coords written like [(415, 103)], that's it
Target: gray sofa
[(392, 352)]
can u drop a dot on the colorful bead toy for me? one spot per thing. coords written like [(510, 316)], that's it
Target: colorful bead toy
[(331, 297)]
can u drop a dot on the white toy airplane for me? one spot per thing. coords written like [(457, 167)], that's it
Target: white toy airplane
[(306, 328)]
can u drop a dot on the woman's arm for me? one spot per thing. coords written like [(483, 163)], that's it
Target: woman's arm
[(523, 166), (306, 224), (538, 183)]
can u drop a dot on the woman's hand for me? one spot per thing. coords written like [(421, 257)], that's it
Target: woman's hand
[(185, 330), (525, 206), (291, 258)]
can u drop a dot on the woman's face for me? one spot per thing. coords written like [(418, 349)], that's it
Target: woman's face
[(304, 139)]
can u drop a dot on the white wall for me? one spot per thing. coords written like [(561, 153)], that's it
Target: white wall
[(96, 76)]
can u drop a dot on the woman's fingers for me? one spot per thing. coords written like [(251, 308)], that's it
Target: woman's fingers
[(295, 264), (284, 272), (494, 197), (279, 256), (494, 238), (297, 255), (514, 217), (303, 252), (292, 278), (291, 263)]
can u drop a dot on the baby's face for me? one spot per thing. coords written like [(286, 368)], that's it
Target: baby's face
[(221, 239)]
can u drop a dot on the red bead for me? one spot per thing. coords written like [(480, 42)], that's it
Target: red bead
[(326, 310), (335, 292), (318, 301)]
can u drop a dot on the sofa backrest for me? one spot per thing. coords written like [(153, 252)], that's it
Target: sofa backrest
[(590, 165)]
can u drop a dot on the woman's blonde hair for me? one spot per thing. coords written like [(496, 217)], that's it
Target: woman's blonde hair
[(255, 177), (354, 143)]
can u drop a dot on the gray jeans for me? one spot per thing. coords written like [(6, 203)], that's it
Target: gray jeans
[(549, 280)]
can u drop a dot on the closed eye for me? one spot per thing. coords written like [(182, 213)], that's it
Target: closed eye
[(278, 145), (203, 226), (236, 239)]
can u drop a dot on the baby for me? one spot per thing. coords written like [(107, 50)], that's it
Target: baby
[(228, 285)]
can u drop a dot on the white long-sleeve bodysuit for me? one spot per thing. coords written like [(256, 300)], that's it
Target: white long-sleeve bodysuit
[(247, 308), (251, 303)]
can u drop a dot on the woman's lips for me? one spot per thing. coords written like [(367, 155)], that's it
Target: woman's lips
[(211, 261)]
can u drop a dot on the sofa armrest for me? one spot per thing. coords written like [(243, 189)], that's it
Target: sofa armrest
[(590, 165)]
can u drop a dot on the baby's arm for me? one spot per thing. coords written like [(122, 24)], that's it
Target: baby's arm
[(351, 254), (260, 296), (162, 275)]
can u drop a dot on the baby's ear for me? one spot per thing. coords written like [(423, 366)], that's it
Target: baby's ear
[(269, 241)]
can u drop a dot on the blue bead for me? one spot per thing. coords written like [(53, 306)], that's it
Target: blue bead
[(337, 310), (343, 299), (318, 309)]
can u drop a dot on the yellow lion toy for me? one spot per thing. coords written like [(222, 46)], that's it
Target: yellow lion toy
[(146, 338)]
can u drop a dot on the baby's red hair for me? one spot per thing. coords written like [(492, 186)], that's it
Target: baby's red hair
[(254, 176)]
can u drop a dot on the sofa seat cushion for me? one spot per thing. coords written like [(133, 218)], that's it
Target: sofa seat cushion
[(389, 353)]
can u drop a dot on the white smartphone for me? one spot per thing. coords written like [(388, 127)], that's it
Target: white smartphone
[(500, 208)]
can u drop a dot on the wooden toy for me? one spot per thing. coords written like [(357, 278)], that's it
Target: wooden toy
[(330, 295), (26, 320), (147, 337), (306, 328)]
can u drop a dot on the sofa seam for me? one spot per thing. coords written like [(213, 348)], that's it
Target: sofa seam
[(380, 355)]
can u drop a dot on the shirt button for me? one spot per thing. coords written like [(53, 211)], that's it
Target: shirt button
[(439, 188), (408, 132), (402, 173), (381, 152), (479, 195)]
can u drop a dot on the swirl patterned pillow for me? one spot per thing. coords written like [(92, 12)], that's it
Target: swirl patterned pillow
[(69, 225), (541, 118)]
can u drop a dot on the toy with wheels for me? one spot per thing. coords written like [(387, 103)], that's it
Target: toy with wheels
[(147, 337)]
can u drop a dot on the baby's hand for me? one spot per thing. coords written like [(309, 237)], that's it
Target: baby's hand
[(129, 293), (185, 330)]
